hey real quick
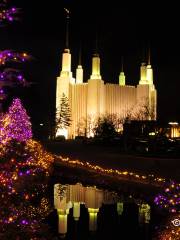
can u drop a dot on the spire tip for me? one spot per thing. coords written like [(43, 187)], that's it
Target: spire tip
[(67, 26)]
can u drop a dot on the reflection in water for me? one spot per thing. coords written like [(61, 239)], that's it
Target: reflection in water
[(72, 196)]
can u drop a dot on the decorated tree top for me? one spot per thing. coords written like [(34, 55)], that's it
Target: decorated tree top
[(19, 127)]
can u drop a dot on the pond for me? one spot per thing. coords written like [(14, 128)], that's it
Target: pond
[(87, 212)]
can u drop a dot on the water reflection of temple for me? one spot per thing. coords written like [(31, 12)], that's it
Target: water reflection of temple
[(72, 196)]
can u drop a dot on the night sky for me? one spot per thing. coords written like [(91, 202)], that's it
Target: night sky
[(125, 30)]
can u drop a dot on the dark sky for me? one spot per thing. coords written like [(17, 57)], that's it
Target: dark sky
[(124, 30)]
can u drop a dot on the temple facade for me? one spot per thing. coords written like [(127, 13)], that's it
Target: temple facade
[(94, 98)]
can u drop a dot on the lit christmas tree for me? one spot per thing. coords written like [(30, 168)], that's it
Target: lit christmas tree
[(19, 127), (24, 174)]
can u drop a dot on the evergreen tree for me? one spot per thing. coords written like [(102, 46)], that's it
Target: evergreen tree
[(63, 114), (19, 127)]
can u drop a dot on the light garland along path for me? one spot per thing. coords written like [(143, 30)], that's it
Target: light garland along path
[(149, 179)]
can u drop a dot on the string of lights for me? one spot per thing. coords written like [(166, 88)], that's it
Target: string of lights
[(12, 56), (170, 198), (125, 175), (8, 14)]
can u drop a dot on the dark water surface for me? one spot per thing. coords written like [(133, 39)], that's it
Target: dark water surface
[(109, 224)]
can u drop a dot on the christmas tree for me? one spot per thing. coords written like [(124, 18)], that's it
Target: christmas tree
[(24, 175), (25, 168), (19, 127)]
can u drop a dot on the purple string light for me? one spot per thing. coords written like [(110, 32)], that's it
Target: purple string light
[(8, 15), (170, 198)]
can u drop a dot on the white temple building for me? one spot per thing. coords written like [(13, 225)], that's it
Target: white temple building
[(94, 98)]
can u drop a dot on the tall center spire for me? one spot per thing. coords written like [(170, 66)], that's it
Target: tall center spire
[(66, 57), (79, 69), (149, 56), (122, 64), (149, 70), (96, 62), (80, 55), (67, 27), (96, 44)]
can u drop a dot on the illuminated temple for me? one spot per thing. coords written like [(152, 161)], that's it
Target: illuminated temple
[(92, 98)]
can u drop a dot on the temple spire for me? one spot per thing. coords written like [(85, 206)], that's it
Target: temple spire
[(149, 56), (144, 55), (96, 62), (66, 56), (149, 70), (79, 69), (96, 45), (122, 64), (80, 55), (122, 77), (67, 27)]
